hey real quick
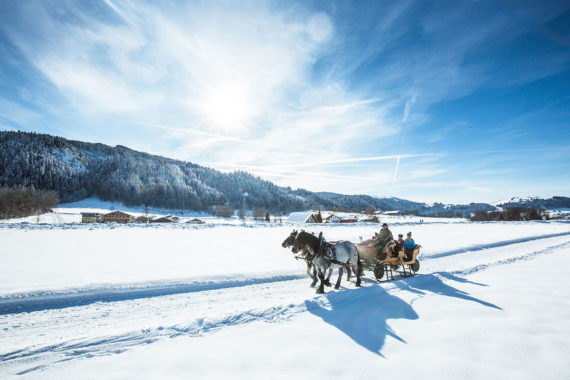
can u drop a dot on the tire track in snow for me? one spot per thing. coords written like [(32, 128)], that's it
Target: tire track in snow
[(84, 348), (498, 244), (35, 302), (511, 260)]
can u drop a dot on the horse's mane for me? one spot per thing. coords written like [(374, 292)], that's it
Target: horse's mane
[(306, 238)]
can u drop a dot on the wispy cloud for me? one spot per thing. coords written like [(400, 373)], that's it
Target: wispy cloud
[(327, 97)]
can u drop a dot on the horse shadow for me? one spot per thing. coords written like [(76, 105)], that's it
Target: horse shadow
[(363, 316)]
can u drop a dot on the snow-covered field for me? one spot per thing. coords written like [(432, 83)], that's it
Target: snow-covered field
[(225, 300)]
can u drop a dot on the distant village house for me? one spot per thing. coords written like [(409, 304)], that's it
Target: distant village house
[(166, 219), (118, 217), (332, 218), (195, 221), (90, 217), (303, 217), (143, 219)]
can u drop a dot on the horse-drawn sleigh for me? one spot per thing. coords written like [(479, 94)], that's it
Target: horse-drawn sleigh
[(388, 261), (322, 256)]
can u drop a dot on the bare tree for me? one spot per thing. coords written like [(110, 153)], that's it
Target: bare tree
[(259, 213), (223, 211)]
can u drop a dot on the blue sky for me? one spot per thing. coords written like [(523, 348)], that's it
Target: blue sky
[(450, 101)]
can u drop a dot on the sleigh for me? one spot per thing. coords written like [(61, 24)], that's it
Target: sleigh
[(387, 264)]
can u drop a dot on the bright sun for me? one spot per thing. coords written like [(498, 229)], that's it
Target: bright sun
[(228, 107)]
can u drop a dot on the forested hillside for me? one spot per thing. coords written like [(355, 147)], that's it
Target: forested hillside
[(550, 203), (76, 170)]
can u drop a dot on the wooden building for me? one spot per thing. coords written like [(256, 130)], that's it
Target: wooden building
[(90, 217), (332, 219), (166, 219), (118, 217), (195, 221), (143, 219)]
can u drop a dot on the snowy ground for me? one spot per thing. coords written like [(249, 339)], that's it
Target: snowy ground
[(180, 301)]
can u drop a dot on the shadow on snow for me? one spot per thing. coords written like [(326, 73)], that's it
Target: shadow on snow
[(364, 315)]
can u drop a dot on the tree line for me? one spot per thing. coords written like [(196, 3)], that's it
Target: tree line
[(76, 170), (509, 214), (20, 202)]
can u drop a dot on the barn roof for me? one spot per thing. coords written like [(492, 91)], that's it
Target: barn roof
[(118, 214), (90, 214), (299, 217)]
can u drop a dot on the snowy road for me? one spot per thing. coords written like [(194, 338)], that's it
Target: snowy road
[(52, 334)]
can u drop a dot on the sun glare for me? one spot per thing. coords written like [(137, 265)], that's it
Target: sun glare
[(228, 107)]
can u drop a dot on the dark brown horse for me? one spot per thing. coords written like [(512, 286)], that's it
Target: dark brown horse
[(305, 255), (325, 256)]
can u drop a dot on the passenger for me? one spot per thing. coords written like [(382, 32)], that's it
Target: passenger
[(409, 245), (400, 242)]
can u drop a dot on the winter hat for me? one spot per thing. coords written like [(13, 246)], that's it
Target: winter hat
[(409, 234), (400, 235)]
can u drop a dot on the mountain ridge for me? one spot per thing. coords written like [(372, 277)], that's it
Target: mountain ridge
[(78, 170)]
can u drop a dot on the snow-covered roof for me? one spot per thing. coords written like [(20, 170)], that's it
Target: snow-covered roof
[(299, 217)]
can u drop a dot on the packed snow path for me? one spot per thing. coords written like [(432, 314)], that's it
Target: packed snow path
[(50, 333)]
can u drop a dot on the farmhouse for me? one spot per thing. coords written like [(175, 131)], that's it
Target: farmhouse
[(118, 217), (166, 219), (195, 221), (143, 219), (303, 217), (332, 218), (90, 217)]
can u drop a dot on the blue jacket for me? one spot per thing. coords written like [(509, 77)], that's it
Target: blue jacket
[(410, 244)]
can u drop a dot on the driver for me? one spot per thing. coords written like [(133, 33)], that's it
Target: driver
[(383, 238)]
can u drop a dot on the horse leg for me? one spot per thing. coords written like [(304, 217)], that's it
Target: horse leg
[(328, 279), (358, 272), (339, 278), (321, 288), (348, 272), (312, 275)]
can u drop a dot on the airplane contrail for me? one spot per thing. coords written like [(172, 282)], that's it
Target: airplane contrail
[(396, 170)]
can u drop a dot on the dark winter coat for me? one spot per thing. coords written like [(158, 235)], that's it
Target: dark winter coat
[(384, 237)]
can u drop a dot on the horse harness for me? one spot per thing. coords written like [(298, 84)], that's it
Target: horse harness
[(332, 247)]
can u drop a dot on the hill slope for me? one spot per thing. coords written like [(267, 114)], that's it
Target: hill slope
[(77, 170)]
